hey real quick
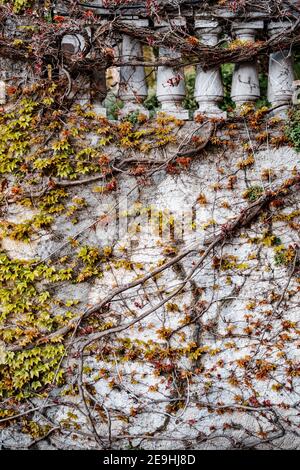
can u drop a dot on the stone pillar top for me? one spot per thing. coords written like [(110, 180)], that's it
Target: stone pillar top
[(179, 21), (240, 26)]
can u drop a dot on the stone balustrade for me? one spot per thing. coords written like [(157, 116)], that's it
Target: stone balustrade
[(170, 88)]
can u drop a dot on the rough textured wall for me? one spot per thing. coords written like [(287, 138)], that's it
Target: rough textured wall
[(216, 365)]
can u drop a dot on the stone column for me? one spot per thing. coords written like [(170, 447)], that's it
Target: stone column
[(281, 74), (98, 91), (74, 44), (133, 87), (208, 86), (170, 87), (245, 83)]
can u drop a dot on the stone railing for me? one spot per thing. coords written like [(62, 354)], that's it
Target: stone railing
[(209, 90)]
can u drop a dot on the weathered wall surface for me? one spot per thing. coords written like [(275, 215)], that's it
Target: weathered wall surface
[(216, 365)]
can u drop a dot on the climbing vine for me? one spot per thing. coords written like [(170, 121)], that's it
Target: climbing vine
[(196, 326)]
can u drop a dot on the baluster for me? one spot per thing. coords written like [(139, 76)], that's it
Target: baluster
[(81, 89), (245, 83), (170, 87), (208, 86), (98, 91), (296, 92), (133, 87), (281, 74)]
